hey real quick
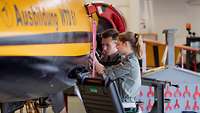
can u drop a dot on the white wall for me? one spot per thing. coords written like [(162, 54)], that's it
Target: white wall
[(130, 9), (175, 14), (194, 17), (122, 5), (165, 14), (171, 14)]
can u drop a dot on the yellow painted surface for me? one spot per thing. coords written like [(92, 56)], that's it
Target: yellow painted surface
[(28, 17), (70, 49), (161, 50), (43, 16), (150, 54)]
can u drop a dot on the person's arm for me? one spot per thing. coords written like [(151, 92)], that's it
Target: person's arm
[(99, 68), (118, 71)]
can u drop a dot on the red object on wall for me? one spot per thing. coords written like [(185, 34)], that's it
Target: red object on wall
[(186, 92), (188, 26), (194, 65), (168, 93), (177, 105), (196, 93), (150, 93), (195, 106), (177, 93), (149, 105), (141, 93), (187, 105), (168, 107)]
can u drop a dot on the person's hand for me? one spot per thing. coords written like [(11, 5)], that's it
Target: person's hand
[(99, 68), (92, 58)]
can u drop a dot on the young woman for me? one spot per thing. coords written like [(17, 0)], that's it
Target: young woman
[(127, 73)]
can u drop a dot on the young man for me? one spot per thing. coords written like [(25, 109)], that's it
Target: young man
[(110, 55)]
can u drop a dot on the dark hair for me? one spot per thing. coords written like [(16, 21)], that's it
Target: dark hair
[(110, 33), (134, 40)]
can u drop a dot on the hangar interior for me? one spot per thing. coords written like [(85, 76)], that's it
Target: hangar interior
[(46, 48)]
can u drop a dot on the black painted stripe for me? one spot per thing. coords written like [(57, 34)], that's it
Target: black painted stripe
[(156, 56), (50, 38)]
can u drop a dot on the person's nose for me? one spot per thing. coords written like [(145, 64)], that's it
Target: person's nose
[(104, 48)]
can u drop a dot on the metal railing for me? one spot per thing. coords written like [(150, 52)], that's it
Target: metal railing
[(181, 52)]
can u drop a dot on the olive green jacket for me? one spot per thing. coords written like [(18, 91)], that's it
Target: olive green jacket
[(128, 77)]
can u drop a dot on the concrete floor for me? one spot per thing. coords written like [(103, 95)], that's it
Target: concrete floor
[(74, 106)]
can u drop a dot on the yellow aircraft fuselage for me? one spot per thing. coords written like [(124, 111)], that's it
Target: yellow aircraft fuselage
[(40, 42), (33, 28)]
